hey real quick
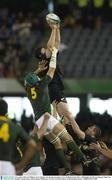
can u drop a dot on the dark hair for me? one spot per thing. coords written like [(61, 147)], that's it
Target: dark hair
[(37, 52), (98, 132), (3, 107)]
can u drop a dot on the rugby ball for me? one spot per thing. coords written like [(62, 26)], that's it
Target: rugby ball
[(53, 18)]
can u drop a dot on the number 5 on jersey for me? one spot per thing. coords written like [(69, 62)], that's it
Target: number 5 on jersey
[(33, 93)]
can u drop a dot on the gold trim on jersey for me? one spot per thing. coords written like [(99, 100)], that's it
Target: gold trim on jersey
[(3, 118)]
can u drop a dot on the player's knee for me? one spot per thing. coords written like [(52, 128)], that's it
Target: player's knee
[(58, 144), (46, 115), (65, 136)]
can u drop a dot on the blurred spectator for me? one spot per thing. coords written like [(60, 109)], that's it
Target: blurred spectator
[(109, 10), (83, 6), (98, 6), (1, 70), (4, 32), (63, 8)]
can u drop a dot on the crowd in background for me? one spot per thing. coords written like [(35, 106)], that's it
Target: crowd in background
[(84, 13), (21, 31), (18, 35)]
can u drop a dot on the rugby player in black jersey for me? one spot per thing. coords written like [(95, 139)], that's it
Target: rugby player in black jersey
[(56, 86), (37, 92), (91, 135)]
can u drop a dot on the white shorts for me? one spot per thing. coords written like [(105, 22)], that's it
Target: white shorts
[(34, 171), (51, 122), (7, 168)]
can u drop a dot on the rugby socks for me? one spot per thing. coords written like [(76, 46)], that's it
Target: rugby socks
[(75, 149), (63, 160)]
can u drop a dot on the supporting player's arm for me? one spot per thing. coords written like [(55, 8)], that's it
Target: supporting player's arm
[(52, 64), (30, 149), (105, 151), (77, 130)]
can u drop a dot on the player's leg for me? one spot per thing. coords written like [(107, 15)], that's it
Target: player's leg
[(42, 122), (63, 110), (59, 102), (52, 138), (55, 113), (60, 131)]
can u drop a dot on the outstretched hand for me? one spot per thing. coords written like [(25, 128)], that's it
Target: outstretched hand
[(42, 65), (53, 25), (103, 145), (95, 146)]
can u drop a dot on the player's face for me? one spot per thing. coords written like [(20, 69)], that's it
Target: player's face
[(90, 130)]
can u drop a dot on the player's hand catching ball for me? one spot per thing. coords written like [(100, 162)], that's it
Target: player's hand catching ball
[(52, 18)]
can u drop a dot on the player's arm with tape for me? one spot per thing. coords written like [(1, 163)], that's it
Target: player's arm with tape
[(52, 64)]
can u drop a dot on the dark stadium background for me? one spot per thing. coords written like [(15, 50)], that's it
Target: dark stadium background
[(85, 58)]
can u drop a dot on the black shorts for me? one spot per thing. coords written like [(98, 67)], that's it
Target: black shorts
[(56, 94)]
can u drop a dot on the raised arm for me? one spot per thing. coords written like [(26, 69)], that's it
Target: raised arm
[(54, 40), (77, 130), (51, 41), (52, 64), (58, 37)]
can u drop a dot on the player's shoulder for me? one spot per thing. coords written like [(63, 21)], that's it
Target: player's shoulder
[(17, 127)]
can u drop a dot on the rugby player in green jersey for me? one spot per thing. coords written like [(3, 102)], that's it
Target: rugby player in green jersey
[(37, 92), (10, 133)]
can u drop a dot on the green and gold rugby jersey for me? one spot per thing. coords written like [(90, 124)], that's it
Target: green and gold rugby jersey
[(9, 134), (39, 97)]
